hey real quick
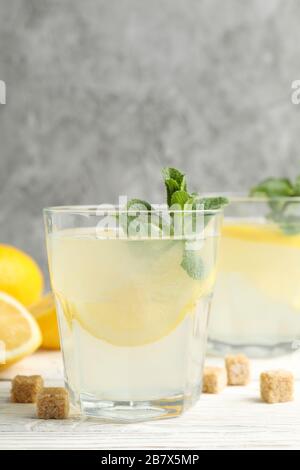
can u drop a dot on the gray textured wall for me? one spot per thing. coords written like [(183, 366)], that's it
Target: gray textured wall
[(102, 93)]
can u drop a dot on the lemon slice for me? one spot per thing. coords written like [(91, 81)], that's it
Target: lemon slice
[(124, 292), (266, 257), (129, 323), (44, 312), (19, 332), (133, 317), (258, 233)]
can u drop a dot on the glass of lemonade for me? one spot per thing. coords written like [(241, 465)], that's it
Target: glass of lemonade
[(256, 306), (132, 309)]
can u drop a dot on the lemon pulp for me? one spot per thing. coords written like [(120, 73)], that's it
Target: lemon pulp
[(19, 332)]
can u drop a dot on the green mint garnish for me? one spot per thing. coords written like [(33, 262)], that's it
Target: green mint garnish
[(177, 196), (138, 205), (174, 181), (177, 193), (286, 214), (138, 219), (192, 263), (297, 186), (273, 187)]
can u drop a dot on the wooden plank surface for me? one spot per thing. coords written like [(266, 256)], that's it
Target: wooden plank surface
[(235, 419)]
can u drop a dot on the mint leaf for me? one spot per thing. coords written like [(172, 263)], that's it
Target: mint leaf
[(288, 224), (214, 203), (183, 184), (142, 226), (282, 212), (192, 263), (171, 187), (133, 209), (138, 205), (180, 198), (207, 203), (174, 181), (297, 186), (174, 174), (273, 187), (288, 218), (144, 221)]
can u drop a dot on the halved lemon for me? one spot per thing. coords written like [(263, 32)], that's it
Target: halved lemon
[(19, 332), (44, 312)]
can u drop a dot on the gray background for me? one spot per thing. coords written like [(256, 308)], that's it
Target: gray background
[(102, 93)]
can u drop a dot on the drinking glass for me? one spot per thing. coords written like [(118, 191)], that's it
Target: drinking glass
[(256, 306), (132, 307)]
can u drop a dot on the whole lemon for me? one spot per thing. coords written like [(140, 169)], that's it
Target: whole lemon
[(20, 276)]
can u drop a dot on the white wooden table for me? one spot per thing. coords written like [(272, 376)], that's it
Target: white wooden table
[(235, 419)]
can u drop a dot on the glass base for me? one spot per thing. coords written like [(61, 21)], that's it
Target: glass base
[(133, 411), (220, 348)]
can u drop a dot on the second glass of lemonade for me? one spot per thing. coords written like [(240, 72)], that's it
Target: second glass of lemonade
[(133, 310), (256, 306)]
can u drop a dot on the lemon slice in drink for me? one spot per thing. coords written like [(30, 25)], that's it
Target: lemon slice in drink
[(127, 293), (19, 332), (133, 316), (257, 233), (266, 257)]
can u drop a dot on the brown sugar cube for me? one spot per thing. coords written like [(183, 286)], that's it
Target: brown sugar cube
[(53, 403), (214, 379), (238, 369), (277, 386), (25, 389)]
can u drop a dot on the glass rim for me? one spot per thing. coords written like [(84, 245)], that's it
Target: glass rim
[(115, 209), (244, 197)]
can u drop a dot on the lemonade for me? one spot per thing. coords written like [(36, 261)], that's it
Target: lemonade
[(256, 307), (132, 321), (133, 286)]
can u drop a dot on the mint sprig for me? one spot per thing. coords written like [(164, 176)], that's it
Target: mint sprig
[(177, 193), (286, 214), (143, 215), (273, 187)]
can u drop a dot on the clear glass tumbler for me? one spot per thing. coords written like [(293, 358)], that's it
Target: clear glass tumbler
[(132, 308), (256, 306)]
